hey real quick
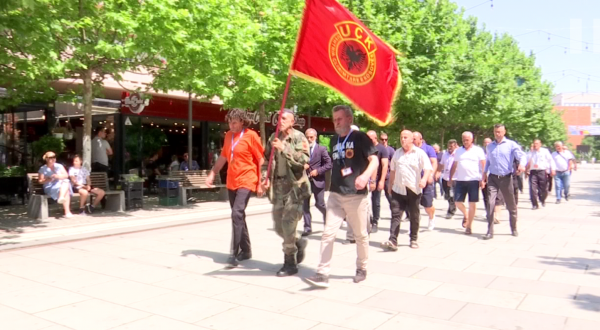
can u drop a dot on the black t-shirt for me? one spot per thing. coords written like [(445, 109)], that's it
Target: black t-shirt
[(355, 155), (382, 153)]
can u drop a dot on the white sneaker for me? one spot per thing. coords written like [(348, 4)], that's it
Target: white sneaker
[(431, 224), (61, 200)]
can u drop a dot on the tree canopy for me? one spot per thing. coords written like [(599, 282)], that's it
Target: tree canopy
[(456, 75)]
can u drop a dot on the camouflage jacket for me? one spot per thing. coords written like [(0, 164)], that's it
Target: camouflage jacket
[(296, 152)]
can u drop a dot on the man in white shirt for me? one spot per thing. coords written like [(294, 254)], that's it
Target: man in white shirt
[(539, 162), (443, 172), (100, 151), (467, 171), (564, 161), (406, 188)]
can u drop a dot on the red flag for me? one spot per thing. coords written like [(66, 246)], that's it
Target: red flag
[(335, 49)]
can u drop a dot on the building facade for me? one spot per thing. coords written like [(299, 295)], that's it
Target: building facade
[(575, 116), (591, 100)]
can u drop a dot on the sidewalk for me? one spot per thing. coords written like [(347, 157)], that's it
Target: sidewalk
[(174, 278), (17, 231)]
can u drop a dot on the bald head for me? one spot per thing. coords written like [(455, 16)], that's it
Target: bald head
[(406, 139), (373, 136), (417, 139), (486, 141)]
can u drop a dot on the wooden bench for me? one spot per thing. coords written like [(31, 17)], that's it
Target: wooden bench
[(190, 180), (37, 208)]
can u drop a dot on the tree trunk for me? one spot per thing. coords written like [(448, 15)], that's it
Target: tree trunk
[(442, 145), (190, 131), (263, 130), (87, 119)]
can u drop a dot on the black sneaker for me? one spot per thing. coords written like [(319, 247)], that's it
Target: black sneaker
[(558, 201), (89, 209), (361, 275), (232, 262), (82, 211), (244, 256), (567, 198), (349, 241), (319, 280)]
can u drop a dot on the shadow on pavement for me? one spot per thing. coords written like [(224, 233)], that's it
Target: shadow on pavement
[(588, 302), (592, 266)]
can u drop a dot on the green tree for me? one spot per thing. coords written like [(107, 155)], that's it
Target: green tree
[(89, 41)]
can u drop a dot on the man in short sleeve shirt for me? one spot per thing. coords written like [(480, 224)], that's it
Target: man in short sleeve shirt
[(467, 170), (565, 162), (354, 160), (411, 168), (429, 191), (382, 170), (443, 173)]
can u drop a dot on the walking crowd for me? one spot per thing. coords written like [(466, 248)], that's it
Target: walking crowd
[(362, 167)]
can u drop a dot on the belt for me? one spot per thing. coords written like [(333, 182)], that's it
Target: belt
[(500, 176), (561, 171), (539, 170)]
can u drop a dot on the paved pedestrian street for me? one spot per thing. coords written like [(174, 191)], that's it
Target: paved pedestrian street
[(175, 278)]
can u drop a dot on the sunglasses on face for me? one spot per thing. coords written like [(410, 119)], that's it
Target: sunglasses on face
[(384, 139), (51, 157)]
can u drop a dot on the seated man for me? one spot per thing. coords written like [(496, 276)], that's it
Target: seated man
[(80, 177), (186, 166)]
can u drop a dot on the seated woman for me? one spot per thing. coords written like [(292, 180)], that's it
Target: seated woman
[(80, 177), (55, 180)]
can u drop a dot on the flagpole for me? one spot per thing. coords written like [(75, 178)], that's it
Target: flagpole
[(285, 92)]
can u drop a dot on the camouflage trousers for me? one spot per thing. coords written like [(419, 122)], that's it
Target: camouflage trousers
[(286, 214)]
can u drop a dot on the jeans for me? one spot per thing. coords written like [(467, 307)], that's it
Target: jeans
[(376, 204), (562, 182)]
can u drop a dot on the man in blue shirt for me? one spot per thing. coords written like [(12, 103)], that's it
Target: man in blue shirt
[(185, 165), (499, 164), (429, 191)]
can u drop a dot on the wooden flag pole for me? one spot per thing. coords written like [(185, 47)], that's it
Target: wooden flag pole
[(285, 93)]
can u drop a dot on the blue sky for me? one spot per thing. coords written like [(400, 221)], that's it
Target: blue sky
[(532, 22)]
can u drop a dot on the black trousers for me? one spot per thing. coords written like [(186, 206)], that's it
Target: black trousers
[(376, 205), (538, 186), (505, 186), (319, 194), (240, 238), (449, 197), (409, 203)]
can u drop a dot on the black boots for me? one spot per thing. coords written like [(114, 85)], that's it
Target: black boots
[(289, 267), (301, 245)]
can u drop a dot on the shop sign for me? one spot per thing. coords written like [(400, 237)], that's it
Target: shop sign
[(254, 118), (136, 103)]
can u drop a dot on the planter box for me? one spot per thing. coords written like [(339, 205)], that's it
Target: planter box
[(166, 201), (168, 193), (14, 185), (136, 203)]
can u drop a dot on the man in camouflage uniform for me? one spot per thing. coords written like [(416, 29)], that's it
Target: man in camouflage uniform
[(290, 187)]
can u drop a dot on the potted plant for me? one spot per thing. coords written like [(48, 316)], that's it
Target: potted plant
[(59, 132), (48, 143), (69, 133)]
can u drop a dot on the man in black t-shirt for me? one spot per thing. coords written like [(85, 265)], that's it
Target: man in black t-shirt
[(382, 170), (354, 160)]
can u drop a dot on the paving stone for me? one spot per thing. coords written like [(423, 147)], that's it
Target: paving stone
[(507, 319), (414, 304), (476, 295), (92, 314), (255, 319)]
